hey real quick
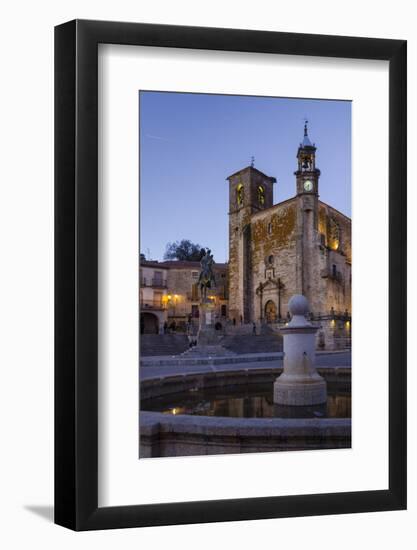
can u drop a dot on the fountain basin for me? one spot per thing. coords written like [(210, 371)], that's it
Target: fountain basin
[(171, 433)]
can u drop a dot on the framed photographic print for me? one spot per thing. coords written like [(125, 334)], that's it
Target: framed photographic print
[(230, 275)]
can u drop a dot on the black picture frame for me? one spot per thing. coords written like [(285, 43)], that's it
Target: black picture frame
[(76, 273)]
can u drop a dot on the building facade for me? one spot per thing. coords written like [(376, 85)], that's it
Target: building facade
[(299, 246), (153, 289), (170, 297)]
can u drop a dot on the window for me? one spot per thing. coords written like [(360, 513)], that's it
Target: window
[(194, 292), (269, 228), (334, 271), (194, 275), (157, 299), (261, 195), (239, 194), (334, 234)]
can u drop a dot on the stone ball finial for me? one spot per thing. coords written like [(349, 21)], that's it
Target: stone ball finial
[(298, 305)]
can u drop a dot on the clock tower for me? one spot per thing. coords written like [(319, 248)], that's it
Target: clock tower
[(307, 184), (307, 175)]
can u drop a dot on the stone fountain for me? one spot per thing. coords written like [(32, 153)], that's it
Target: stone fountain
[(299, 384)]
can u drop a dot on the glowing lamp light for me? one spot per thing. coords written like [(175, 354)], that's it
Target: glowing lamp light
[(332, 323)]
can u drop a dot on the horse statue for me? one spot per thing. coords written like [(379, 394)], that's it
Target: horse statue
[(206, 279)]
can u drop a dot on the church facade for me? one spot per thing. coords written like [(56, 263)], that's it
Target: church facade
[(299, 246)]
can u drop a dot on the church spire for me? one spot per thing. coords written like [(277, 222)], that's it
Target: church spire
[(306, 141)]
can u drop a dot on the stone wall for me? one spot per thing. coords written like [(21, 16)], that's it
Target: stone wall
[(286, 247), (274, 256), (335, 261), (238, 222), (240, 213)]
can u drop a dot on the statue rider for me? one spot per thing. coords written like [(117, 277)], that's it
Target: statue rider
[(206, 279)]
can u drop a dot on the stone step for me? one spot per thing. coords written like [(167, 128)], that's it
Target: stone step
[(177, 344), (251, 343), (163, 344)]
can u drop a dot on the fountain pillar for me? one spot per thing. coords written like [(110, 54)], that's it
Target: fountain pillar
[(300, 383)]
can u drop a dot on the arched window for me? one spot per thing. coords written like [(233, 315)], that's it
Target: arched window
[(334, 234), (239, 194), (261, 195)]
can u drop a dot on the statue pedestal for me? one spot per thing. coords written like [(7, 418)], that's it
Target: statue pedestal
[(207, 334), (208, 338), (299, 384)]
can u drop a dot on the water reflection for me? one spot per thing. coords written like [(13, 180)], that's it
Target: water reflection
[(250, 402)]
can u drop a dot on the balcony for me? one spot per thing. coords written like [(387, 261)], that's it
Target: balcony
[(152, 305), (159, 283), (153, 282)]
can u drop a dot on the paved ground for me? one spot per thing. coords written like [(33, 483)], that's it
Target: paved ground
[(336, 359)]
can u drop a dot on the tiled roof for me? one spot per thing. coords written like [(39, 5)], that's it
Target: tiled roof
[(152, 263), (251, 168)]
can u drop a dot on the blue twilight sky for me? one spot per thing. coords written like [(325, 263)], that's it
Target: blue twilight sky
[(190, 143)]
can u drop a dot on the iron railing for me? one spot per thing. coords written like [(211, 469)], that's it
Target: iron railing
[(153, 282), (152, 304)]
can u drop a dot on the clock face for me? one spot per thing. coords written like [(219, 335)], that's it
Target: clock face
[(308, 185)]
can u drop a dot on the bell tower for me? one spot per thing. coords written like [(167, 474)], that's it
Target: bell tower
[(250, 191), (307, 186), (307, 175)]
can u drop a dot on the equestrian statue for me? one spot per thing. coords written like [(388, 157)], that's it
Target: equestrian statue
[(206, 279)]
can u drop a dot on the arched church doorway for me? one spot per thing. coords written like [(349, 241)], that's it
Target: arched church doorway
[(270, 312), (149, 323)]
